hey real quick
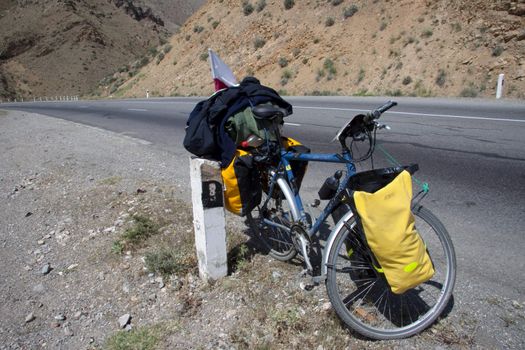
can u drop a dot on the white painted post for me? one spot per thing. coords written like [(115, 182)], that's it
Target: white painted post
[(147, 93), (499, 89), (208, 218)]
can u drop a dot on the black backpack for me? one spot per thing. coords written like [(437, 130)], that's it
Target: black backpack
[(199, 138), (205, 136)]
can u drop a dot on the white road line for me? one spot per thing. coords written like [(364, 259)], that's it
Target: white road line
[(174, 102), (418, 114), (137, 109), (292, 124), (367, 110)]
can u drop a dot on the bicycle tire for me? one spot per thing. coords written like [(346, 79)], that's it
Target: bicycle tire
[(364, 301), (277, 241)]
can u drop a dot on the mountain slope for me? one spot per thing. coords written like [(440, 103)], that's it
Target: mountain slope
[(409, 47), (173, 12), (65, 47)]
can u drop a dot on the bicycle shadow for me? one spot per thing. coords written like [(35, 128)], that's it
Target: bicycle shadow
[(242, 253), (419, 306), (315, 253)]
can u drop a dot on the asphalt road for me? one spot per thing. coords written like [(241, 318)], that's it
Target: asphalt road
[(472, 153)]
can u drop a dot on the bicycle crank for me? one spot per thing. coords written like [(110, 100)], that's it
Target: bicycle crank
[(302, 243)]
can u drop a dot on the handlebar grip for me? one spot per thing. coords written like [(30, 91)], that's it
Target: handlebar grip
[(375, 114), (386, 107)]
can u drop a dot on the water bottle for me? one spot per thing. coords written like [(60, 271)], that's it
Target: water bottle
[(330, 186)]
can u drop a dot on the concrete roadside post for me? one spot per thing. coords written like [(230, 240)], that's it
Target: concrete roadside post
[(499, 88), (208, 218)]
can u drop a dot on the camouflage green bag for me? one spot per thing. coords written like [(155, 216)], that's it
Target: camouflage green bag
[(244, 124)]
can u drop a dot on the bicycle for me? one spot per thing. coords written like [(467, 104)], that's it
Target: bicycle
[(358, 292)]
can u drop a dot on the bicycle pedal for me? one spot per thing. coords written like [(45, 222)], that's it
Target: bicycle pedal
[(306, 287)]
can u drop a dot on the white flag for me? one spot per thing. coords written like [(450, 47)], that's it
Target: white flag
[(221, 73)]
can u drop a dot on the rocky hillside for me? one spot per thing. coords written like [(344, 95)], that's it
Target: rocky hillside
[(65, 47), (405, 47), (173, 12)]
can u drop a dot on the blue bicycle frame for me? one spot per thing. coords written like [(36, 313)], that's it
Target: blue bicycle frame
[(286, 157)]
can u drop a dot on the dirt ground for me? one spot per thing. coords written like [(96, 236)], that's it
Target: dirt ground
[(72, 273)]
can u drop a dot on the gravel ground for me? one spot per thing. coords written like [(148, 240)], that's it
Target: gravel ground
[(69, 192)]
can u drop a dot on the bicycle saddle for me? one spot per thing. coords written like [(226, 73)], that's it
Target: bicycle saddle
[(267, 112)]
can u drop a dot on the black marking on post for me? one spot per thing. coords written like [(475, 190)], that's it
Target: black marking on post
[(212, 194)]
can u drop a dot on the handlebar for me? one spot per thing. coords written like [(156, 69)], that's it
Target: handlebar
[(375, 114), (362, 127)]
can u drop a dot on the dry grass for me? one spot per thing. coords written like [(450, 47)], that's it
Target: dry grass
[(259, 305)]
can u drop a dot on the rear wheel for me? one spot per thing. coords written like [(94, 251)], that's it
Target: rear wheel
[(271, 224), (362, 298)]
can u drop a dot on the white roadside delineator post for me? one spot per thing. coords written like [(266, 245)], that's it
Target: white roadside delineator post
[(208, 218), (499, 88)]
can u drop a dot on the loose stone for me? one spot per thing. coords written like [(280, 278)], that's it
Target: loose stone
[(72, 266), (30, 318), (124, 320), (68, 331), (46, 269)]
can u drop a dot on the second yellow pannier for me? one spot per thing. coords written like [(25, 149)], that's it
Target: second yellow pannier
[(387, 221)]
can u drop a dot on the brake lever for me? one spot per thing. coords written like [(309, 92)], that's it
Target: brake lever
[(380, 126)]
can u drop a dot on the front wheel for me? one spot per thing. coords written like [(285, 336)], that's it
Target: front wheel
[(362, 298)]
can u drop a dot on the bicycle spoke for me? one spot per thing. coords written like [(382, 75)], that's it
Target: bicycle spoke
[(380, 299), (353, 268), (272, 227), (370, 284)]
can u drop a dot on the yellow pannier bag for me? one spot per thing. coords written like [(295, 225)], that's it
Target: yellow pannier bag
[(389, 227), (242, 184)]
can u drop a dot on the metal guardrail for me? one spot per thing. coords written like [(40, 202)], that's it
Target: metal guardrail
[(42, 99)]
